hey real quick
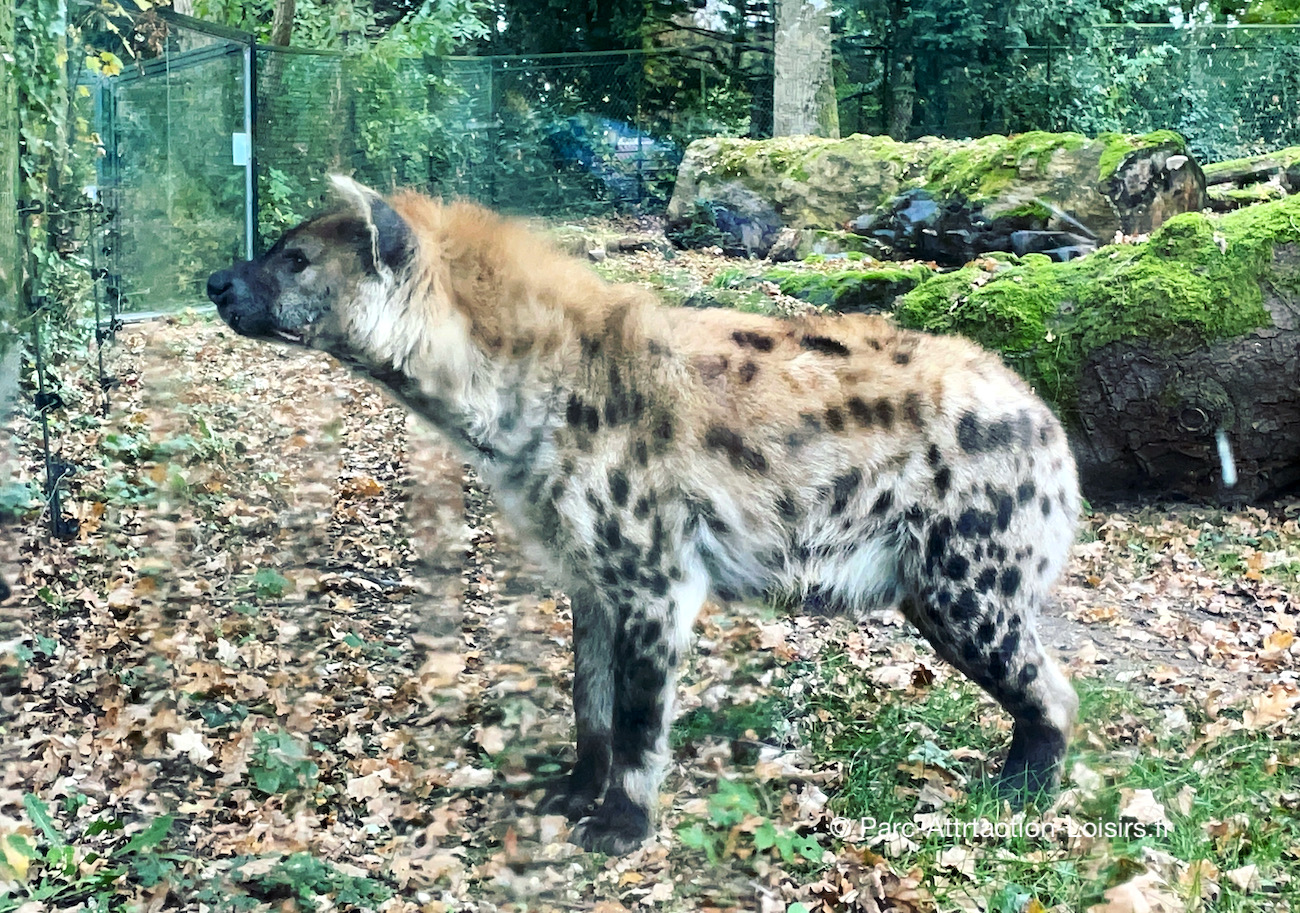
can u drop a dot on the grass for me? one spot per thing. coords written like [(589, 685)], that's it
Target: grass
[(1231, 799)]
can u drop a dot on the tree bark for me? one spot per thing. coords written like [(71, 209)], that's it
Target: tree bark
[(1151, 415), (803, 87), (282, 22)]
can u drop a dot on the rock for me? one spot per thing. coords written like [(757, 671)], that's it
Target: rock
[(733, 217), (596, 254), (978, 191)]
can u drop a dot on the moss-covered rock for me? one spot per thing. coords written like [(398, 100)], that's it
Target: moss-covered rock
[(1198, 279), (817, 183), (859, 287)]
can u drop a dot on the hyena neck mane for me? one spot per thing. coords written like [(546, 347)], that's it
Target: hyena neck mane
[(495, 335)]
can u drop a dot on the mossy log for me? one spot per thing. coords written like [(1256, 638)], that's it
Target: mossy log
[(1153, 352), (741, 194)]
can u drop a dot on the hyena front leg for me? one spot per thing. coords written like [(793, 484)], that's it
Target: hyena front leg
[(648, 649), (594, 630)]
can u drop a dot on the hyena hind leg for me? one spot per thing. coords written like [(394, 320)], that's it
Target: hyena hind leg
[(989, 636)]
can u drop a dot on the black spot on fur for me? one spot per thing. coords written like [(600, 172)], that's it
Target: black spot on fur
[(998, 435), (835, 418), (747, 372), (885, 413), (933, 456), (618, 487), (936, 543), (967, 606), (642, 509), (942, 480), (825, 345), (912, 409), (973, 523), (612, 535), (748, 338), (1010, 581), (860, 411), (844, 487), (663, 430), (1047, 506), (968, 433), (573, 411), (984, 633), (956, 567), (1010, 644), (732, 444), (785, 507), (984, 582), (1025, 492), (883, 503), (1006, 507), (640, 453), (1027, 674)]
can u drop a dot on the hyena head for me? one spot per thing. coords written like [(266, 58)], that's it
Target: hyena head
[(324, 281)]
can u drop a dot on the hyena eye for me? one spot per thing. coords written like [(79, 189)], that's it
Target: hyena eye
[(297, 260)]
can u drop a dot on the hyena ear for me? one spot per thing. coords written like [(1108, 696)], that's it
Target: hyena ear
[(391, 241)]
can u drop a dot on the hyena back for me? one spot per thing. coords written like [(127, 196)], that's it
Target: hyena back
[(665, 455)]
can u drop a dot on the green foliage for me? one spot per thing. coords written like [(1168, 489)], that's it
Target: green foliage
[(268, 583), (737, 816), (312, 881), (279, 763), (56, 871)]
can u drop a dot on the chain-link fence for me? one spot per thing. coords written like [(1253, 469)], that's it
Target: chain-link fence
[(218, 142), (1230, 90)]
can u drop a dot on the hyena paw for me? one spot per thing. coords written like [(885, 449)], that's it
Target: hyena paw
[(1033, 769), (569, 798), (619, 826)]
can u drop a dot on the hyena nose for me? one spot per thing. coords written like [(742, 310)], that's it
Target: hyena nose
[(219, 285)]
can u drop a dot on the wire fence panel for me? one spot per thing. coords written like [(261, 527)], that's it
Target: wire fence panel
[(581, 134), (168, 171), (1231, 91)]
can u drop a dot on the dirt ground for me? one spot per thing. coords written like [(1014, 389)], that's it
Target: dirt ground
[(293, 622)]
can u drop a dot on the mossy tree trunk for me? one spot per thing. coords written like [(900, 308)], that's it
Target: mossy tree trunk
[(1175, 362), (803, 88)]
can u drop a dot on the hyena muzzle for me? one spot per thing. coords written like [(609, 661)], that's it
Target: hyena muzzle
[(662, 455)]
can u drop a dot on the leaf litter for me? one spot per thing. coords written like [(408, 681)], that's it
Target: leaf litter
[(294, 627)]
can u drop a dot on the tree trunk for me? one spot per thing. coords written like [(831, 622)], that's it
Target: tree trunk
[(282, 22), (803, 87)]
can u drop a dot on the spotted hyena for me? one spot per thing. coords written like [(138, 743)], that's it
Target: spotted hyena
[(665, 455)]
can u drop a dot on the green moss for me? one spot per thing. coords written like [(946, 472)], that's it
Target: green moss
[(846, 290), (1282, 158), (1118, 146), (1195, 281), (979, 170)]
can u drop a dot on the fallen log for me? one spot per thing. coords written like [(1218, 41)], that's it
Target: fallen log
[(1175, 362)]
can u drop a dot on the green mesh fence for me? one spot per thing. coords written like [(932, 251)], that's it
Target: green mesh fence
[(1231, 91), (582, 134)]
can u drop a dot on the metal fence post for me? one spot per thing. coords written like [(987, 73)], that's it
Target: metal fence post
[(250, 169)]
